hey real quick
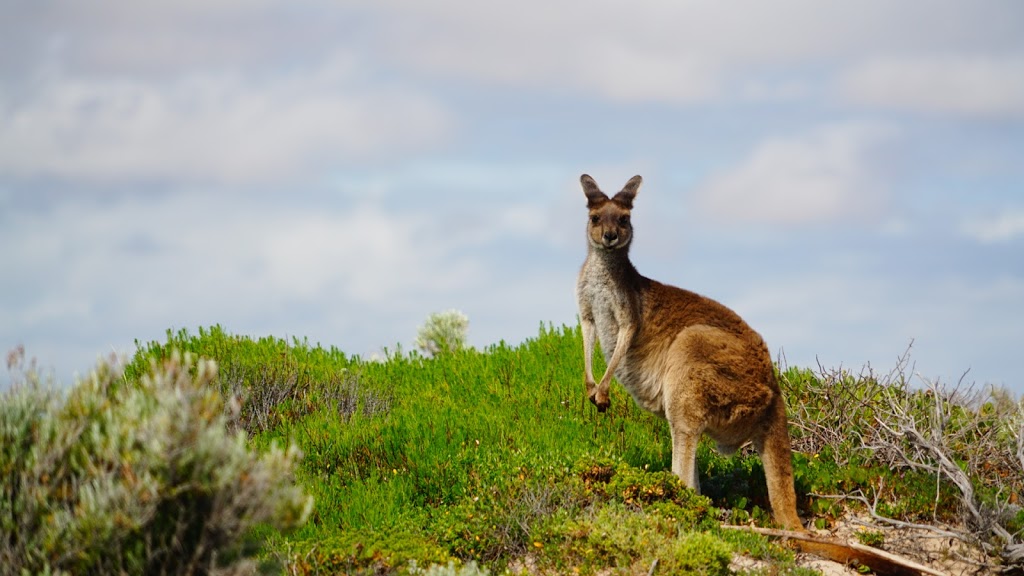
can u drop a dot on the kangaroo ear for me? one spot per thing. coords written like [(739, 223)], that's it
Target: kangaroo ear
[(594, 194), (629, 192)]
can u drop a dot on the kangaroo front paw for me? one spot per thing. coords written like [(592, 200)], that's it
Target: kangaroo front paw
[(599, 397)]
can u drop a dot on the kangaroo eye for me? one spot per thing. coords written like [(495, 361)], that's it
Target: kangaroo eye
[(595, 219), (623, 220)]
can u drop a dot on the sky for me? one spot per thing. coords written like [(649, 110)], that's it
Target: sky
[(848, 176)]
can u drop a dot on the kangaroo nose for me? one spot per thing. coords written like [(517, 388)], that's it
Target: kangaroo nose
[(611, 236)]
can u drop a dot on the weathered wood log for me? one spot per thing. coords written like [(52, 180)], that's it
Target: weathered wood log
[(849, 553)]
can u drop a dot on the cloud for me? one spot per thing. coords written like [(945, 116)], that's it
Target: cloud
[(83, 273), (674, 52), (852, 316), (121, 37), (971, 85), (365, 256), (810, 311), (226, 253), (163, 91), (825, 175), (596, 52), (998, 229), (208, 128)]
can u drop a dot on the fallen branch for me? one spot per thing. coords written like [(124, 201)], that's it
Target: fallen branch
[(848, 553)]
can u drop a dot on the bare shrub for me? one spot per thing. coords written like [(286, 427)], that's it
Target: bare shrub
[(348, 397), (832, 410), (259, 398), (969, 438), (263, 393)]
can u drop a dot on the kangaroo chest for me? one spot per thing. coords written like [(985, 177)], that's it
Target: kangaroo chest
[(608, 310), (610, 302), (604, 302), (610, 307)]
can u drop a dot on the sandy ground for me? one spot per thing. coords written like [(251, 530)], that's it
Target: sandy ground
[(941, 553)]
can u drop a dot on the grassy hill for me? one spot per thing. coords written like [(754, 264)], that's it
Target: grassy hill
[(494, 457)]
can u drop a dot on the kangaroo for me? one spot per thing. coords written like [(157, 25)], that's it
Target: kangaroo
[(681, 355)]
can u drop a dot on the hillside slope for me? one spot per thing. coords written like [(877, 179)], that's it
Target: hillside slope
[(494, 456)]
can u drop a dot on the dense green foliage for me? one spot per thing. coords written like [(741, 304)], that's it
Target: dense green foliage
[(485, 455)]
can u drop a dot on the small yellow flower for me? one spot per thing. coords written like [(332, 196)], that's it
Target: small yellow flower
[(538, 545)]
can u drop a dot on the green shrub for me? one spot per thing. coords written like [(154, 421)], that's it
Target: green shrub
[(618, 535), (363, 552), (698, 553), (135, 477), (867, 537)]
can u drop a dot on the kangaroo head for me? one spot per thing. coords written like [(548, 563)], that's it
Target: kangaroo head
[(609, 227)]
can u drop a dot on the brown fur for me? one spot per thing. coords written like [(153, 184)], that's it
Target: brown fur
[(680, 355)]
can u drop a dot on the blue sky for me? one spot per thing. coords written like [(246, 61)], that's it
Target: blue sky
[(846, 175)]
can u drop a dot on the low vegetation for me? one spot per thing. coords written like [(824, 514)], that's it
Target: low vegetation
[(486, 461)]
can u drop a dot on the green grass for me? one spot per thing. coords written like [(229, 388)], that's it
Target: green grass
[(494, 455)]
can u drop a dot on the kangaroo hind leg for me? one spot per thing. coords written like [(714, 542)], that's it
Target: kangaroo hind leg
[(684, 454)]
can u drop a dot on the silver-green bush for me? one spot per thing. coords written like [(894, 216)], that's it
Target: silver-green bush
[(443, 332), (119, 477)]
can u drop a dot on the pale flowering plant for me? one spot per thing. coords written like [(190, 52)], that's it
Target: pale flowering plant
[(443, 332)]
